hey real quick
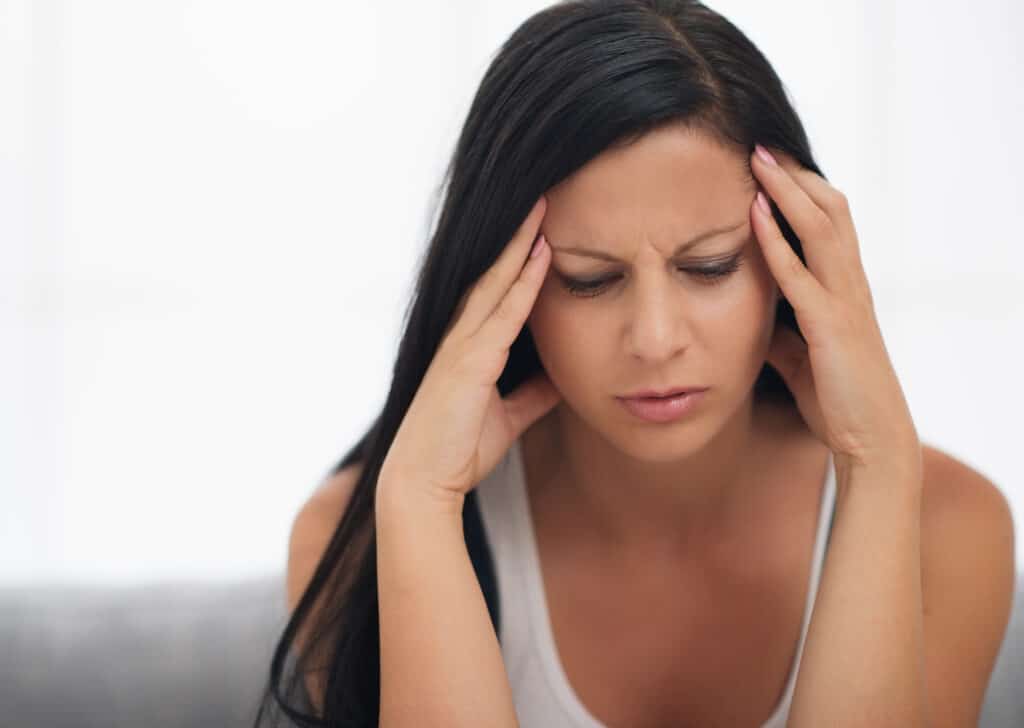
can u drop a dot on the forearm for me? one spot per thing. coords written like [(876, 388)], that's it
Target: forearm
[(863, 659), (440, 660)]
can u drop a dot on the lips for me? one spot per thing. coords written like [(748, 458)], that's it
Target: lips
[(662, 394), (662, 410)]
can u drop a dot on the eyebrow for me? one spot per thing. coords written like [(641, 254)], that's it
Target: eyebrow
[(682, 248)]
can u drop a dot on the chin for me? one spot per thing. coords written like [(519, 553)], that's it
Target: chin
[(662, 448), (664, 442)]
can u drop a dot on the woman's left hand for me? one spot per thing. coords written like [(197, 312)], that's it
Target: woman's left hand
[(842, 379)]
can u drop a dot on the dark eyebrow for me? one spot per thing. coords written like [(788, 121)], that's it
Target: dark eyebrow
[(683, 247)]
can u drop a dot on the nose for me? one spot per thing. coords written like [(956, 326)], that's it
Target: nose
[(656, 327)]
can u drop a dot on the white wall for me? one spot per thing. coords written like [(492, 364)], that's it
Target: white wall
[(210, 215)]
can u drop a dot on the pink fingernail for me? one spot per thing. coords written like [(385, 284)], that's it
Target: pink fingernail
[(765, 155), (537, 245), (762, 202)]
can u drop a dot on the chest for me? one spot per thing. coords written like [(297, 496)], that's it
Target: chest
[(657, 647), (678, 641)]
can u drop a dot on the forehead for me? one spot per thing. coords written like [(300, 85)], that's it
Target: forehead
[(667, 186)]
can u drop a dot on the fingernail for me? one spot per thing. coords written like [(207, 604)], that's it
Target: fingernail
[(762, 202), (537, 245), (765, 155)]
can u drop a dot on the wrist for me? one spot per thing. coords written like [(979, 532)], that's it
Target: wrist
[(403, 495), (903, 468), (898, 449)]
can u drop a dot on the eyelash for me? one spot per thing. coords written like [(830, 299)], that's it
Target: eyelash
[(709, 276)]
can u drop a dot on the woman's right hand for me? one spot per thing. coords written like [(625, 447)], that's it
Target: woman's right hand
[(458, 427)]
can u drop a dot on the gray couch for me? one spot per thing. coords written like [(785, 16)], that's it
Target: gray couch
[(197, 655)]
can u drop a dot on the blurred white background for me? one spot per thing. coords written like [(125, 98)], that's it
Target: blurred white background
[(210, 214)]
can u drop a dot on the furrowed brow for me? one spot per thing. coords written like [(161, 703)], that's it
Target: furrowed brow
[(682, 248)]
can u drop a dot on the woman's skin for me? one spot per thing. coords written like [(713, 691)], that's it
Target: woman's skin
[(914, 530), (655, 324)]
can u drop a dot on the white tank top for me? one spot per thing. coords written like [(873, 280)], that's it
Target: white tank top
[(542, 693)]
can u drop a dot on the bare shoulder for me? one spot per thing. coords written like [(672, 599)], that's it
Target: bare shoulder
[(313, 525), (334, 493), (968, 574), (311, 531), (959, 502), (964, 515), (962, 511), (948, 480)]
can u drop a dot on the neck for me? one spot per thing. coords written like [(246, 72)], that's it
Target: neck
[(633, 503)]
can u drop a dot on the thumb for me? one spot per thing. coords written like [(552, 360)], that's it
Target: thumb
[(530, 401), (787, 354)]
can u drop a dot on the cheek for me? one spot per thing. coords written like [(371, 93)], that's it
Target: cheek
[(754, 320), (741, 322), (761, 273), (569, 342)]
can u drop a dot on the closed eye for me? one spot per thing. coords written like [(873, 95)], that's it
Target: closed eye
[(706, 274)]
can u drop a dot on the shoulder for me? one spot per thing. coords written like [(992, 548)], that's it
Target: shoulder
[(335, 491), (949, 482), (968, 574), (311, 530), (313, 525), (962, 507)]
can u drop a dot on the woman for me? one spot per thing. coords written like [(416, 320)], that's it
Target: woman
[(525, 536)]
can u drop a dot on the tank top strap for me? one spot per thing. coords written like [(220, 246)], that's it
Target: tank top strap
[(832, 507)]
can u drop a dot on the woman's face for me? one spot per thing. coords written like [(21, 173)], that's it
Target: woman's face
[(645, 317)]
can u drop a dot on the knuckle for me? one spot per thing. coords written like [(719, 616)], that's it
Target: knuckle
[(453, 322), (453, 329), (866, 297), (463, 302), (451, 352), (505, 312), (483, 283), (462, 362), (795, 266), (821, 223), (479, 361), (442, 358), (842, 319), (839, 201)]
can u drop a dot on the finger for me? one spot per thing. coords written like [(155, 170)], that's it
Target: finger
[(787, 353), (789, 356), (820, 190), (798, 284), (810, 223), (483, 296), (835, 204), (530, 401), (503, 326)]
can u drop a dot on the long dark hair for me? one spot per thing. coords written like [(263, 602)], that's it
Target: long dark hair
[(573, 80)]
